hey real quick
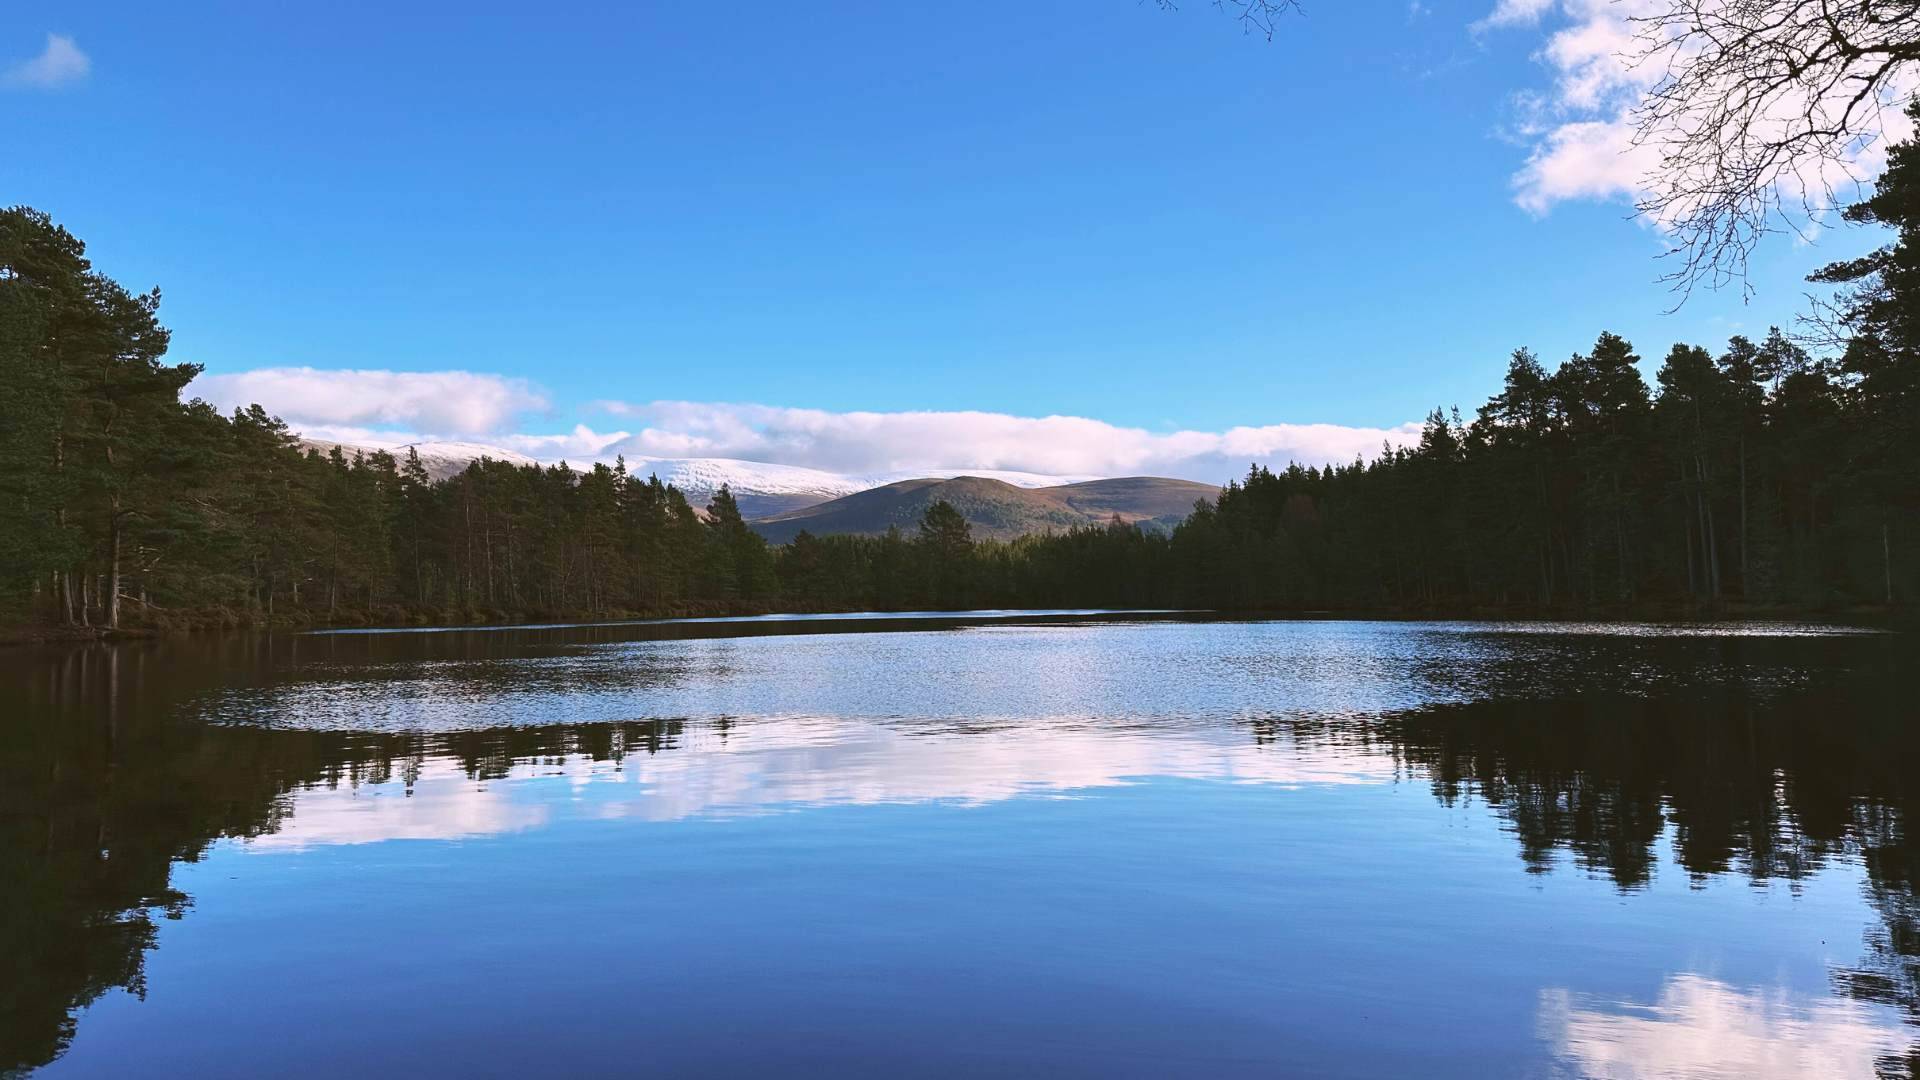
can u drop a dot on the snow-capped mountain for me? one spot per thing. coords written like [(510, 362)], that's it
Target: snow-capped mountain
[(762, 488), (440, 459), (464, 452)]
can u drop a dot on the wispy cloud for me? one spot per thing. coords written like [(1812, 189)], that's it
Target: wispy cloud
[(443, 402), (1513, 13), (1580, 132), (61, 63)]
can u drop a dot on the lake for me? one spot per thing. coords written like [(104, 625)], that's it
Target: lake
[(1073, 845)]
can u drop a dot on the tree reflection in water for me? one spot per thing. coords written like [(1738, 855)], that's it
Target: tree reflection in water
[(106, 782)]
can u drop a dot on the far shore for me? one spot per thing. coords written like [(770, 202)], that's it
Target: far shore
[(1898, 617)]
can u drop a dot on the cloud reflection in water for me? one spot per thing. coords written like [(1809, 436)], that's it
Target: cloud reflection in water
[(1704, 1029), (756, 766)]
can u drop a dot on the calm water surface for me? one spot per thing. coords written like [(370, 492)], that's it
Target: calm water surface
[(1071, 846)]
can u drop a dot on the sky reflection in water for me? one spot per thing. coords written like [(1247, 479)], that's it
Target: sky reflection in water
[(1324, 848)]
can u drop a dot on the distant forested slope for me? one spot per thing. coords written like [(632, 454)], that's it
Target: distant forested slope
[(998, 510)]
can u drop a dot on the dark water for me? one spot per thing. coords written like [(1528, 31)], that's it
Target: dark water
[(1134, 847)]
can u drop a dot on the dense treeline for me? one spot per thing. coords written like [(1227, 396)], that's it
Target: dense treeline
[(1755, 474)]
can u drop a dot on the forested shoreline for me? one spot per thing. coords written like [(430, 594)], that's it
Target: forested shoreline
[(1758, 475)]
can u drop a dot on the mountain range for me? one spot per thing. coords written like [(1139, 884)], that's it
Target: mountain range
[(766, 490), (996, 509), (780, 500)]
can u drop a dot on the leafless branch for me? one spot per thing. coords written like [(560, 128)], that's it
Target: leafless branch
[(1255, 16), (1759, 115)]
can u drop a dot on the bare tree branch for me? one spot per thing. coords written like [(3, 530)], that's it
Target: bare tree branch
[(1759, 112), (1256, 16)]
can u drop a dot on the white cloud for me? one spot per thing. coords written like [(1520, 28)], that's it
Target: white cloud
[(311, 400), (1514, 13), (59, 64), (390, 409), (885, 442), (1581, 132), (1588, 159), (1592, 58), (581, 444)]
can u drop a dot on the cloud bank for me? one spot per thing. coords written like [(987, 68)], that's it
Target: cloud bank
[(372, 407), (898, 441), (59, 64)]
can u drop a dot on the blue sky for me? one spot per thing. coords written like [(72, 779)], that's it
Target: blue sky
[(1092, 208)]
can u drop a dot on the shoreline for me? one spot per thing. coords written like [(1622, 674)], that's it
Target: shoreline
[(1897, 618)]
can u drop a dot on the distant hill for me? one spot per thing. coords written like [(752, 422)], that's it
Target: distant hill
[(766, 490), (996, 510), (762, 489)]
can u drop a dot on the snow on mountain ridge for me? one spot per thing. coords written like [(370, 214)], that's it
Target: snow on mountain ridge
[(440, 459), (708, 474), (468, 451)]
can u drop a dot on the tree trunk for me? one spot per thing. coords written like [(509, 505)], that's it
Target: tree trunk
[(1709, 550), (1546, 578), (1746, 591), (1620, 539), (113, 531), (113, 572), (1693, 587), (466, 503), (1886, 558), (1713, 552)]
